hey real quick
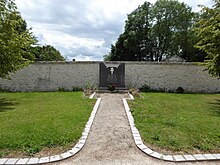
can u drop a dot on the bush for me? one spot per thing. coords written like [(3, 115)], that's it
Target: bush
[(2, 90), (76, 89), (145, 88), (89, 89), (61, 89), (179, 90)]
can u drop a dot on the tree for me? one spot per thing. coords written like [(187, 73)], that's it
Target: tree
[(46, 53), (133, 44), (153, 32), (15, 43), (172, 22), (209, 32)]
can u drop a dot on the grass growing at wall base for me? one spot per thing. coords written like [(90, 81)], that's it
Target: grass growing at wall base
[(33, 121), (178, 123)]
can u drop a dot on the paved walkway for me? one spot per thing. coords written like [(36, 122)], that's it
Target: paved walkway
[(110, 140)]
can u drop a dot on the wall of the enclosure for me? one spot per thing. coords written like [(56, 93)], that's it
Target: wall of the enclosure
[(52, 76), (169, 76), (165, 76)]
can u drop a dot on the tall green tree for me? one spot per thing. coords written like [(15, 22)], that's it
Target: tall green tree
[(137, 32), (47, 53), (134, 43), (15, 43), (172, 22), (208, 28), (153, 32)]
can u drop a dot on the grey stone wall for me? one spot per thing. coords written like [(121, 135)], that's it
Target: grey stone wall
[(52, 76), (49, 76), (169, 76)]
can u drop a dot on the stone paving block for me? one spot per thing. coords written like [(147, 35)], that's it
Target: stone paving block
[(79, 145), (189, 157), (81, 141), (142, 146), (135, 132), (85, 134), (129, 114), (217, 156), (167, 157), (86, 130), (89, 122), (137, 138), (66, 155), (209, 156), (88, 127), (148, 151), (83, 137), (3, 160), (33, 161), (44, 160), (134, 129), (55, 158), (199, 157), (137, 135), (11, 161), (156, 155), (74, 151), (131, 122), (92, 95), (131, 118), (179, 158), (138, 142), (22, 161), (131, 96), (131, 125)]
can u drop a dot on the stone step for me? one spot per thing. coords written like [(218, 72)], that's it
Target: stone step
[(117, 90)]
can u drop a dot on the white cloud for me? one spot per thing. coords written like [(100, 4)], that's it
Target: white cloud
[(83, 30), (194, 3)]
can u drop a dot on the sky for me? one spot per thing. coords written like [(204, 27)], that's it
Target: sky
[(82, 29)]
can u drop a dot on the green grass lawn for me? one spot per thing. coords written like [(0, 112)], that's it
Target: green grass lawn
[(33, 121), (179, 123)]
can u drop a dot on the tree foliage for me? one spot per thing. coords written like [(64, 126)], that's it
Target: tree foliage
[(208, 29), (46, 53), (17, 42), (172, 24), (155, 31), (14, 42)]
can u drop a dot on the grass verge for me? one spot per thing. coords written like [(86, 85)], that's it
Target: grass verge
[(31, 122), (177, 123)]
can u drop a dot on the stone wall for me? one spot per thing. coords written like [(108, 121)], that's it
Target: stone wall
[(169, 76), (50, 76)]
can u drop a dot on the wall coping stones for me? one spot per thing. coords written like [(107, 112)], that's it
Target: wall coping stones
[(115, 62), (148, 151), (62, 156)]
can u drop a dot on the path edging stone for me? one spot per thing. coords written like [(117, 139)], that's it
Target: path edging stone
[(148, 151), (62, 156)]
